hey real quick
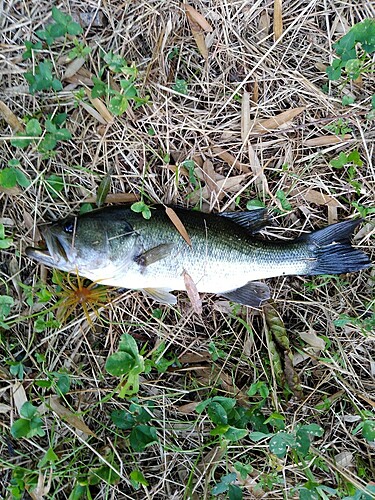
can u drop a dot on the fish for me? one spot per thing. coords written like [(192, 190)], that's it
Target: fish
[(224, 255)]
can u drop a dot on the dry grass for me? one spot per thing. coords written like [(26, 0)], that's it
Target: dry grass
[(275, 76)]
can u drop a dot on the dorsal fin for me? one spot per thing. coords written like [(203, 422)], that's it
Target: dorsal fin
[(252, 220)]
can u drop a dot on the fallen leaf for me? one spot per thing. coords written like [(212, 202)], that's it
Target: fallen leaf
[(225, 186), (312, 339), (188, 408), (209, 175), (198, 26), (197, 17), (262, 126), (69, 416), (230, 159), (11, 119), (19, 396), (114, 198), (264, 23), (93, 112), (100, 107), (5, 408), (178, 224), (73, 67), (260, 180), (325, 140), (313, 196), (344, 459), (193, 294), (277, 19)]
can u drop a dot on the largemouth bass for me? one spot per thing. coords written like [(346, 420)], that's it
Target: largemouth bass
[(118, 247)]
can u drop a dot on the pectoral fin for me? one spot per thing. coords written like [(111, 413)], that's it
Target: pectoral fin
[(154, 254), (161, 295), (252, 294)]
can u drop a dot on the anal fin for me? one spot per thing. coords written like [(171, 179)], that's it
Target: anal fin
[(161, 295), (253, 294)]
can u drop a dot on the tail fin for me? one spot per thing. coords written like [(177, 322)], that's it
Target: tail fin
[(332, 251)]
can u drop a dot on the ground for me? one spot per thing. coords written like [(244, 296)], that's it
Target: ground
[(221, 112)]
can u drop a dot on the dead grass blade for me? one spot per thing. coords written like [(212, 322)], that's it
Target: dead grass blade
[(277, 19), (114, 198)]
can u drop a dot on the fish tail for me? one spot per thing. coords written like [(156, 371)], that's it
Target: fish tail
[(332, 252)]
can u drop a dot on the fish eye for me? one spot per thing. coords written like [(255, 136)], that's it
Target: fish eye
[(68, 227)]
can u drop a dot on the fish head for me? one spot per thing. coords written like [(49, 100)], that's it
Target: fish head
[(75, 244)]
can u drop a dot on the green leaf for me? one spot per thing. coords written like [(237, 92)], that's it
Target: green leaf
[(63, 383), (368, 430), (50, 457), (123, 419), (28, 410), (255, 205), (353, 68), (347, 100), (334, 70), (54, 185), (217, 413), (118, 105), (234, 492), (258, 436), (6, 302), (103, 189), (365, 34), (128, 87), (20, 428), (142, 436), (33, 128), (180, 86), (280, 442), (18, 142), (104, 473), (119, 363), (243, 469), (137, 478), (281, 196), (115, 62), (128, 344), (63, 134), (340, 161), (345, 47), (22, 180), (234, 434), (355, 158), (48, 143), (8, 177), (224, 483)]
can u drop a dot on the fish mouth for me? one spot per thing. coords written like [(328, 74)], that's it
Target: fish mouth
[(52, 252)]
